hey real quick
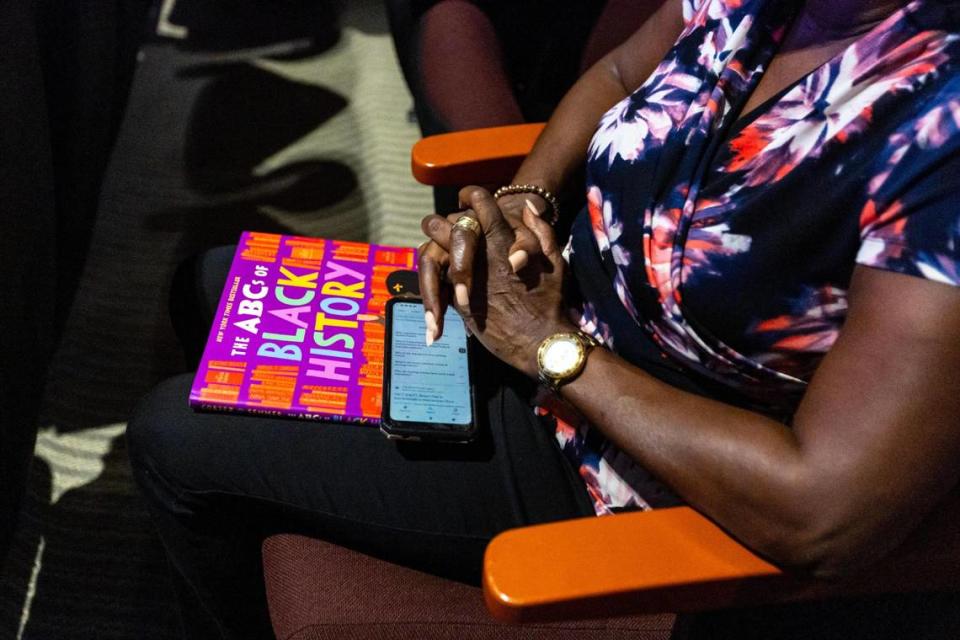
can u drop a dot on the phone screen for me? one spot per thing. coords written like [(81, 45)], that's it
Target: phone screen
[(428, 385)]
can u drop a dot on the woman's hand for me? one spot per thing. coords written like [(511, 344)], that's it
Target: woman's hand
[(451, 253), (510, 311), (526, 245)]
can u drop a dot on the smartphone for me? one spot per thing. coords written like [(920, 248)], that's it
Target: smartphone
[(427, 391)]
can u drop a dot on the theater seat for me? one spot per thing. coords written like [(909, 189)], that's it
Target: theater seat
[(317, 590)]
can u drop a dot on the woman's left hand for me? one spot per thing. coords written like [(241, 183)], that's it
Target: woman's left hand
[(510, 313)]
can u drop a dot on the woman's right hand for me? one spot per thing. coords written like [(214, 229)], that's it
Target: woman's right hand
[(526, 247), (446, 261)]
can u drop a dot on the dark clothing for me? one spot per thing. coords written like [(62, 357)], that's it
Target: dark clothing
[(217, 484)]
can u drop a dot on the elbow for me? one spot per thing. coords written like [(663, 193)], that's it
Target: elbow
[(823, 548), (810, 556)]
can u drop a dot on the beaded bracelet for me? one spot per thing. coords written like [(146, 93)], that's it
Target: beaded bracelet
[(532, 188)]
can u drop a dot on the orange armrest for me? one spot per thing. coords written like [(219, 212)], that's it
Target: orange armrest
[(477, 156), (673, 560), (661, 560)]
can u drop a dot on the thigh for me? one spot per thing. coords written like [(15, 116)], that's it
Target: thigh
[(432, 506)]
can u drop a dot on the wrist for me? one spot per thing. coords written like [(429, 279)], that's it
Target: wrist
[(545, 201), (550, 184), (562, 357), (529, 362), (515, 202)]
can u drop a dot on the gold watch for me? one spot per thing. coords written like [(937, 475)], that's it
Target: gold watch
[(562, 357)]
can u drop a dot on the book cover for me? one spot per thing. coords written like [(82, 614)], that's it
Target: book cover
[(299, 331)]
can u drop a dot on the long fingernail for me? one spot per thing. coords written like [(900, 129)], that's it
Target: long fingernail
[(462, 294), (431, 323), (532, 207), (518, 259)]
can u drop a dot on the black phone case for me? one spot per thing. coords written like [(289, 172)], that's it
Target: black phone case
[(421, 431)]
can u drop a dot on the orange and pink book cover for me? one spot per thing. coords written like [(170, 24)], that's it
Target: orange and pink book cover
[(299, 330)]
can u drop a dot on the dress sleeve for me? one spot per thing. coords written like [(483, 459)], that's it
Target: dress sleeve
[(911, 223), (697, 11), (690, 9)]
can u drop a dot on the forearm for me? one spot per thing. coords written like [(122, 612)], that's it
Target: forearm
[(820, 496), (740, 468), (562, 146), (748, 472)]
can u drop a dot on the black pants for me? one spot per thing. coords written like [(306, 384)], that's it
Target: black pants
[(217, 484)]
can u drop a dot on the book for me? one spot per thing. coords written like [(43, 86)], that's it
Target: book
[(299, 331)]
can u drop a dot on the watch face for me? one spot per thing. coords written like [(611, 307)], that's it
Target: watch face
[(562, 356)]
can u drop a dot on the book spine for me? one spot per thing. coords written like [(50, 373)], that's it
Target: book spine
[(240, 410), (212, 407)]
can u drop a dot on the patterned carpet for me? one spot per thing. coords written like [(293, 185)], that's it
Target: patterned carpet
[(212, 143)]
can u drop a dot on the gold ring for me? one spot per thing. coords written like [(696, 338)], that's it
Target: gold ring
[(469, 223)]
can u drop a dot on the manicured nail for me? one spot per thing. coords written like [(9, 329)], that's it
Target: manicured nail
[(533, 209), (462, 294), (518, 259), (431, 323)]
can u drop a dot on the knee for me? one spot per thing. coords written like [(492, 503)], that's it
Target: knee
[(155, 433)]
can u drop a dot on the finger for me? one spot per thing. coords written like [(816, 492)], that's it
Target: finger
[(545, 236), (463, 250), (486, 209), (432, 261), (546, 229), (437, 228), (524, 246)]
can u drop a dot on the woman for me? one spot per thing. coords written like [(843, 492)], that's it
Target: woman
[(770, 260)]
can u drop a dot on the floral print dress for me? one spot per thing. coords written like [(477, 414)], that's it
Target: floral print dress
[(724, 243)]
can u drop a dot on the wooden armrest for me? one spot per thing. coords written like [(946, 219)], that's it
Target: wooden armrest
[(675, 560), (477, 156)]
